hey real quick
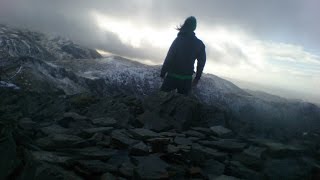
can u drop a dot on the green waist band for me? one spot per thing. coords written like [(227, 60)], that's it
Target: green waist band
[(178, 76)]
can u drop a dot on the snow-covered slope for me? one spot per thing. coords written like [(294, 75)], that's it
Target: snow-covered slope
[(16, 43), (55, 64)]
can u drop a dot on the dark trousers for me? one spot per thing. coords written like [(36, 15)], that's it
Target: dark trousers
[(171, 83)]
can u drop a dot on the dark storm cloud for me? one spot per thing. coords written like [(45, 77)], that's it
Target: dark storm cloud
[(290, 21)]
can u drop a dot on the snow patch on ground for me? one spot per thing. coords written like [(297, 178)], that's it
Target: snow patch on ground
[(4, 84)]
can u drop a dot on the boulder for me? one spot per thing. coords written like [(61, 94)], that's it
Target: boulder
[(221, 131), (151, 167)]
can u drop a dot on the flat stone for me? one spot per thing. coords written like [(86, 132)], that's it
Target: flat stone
[(213, 167), (106, 142), (194, 139), (27, 124), (92, 167), (75, 121), (281, 150), (203, 130), (9, 159), (97, 153), (108, 176), (121, 139), (74, 115), (127, 169), (200, 154), (182, 141), (119, 158), (143, 134), (51, 172), (139, 149), (195, 171), (153, 121), (55, 129), (255, 151), (58, 141), (159, 145), (221, 131), (222, 177), (288, 168), (173, 149), (193, 133), (251, 157), (104, 122), (171, 134), (51, 157), (92, 131), (238, 170), (225, 145), (151, 167)]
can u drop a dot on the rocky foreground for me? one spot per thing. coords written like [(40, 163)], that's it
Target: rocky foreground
[(163, 136)]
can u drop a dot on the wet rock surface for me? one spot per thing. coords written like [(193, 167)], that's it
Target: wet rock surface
[(77, 142)]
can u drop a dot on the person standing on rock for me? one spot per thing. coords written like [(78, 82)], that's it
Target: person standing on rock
[(178, 66)]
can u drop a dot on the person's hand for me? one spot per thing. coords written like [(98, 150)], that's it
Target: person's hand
[(195, 82)]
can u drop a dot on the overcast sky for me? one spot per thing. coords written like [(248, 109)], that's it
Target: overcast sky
[(274, 42)]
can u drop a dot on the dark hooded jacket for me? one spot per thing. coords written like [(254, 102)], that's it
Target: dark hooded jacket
[(185, 49)]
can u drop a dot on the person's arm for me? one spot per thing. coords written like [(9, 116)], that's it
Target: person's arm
[(201, 62), (168, 60)]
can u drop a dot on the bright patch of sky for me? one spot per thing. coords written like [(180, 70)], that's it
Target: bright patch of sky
[(230, 52)]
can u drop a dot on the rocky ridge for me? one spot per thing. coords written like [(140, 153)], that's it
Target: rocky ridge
[(88, 137)]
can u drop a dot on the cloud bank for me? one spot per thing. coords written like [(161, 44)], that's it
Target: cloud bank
[(274, 42)]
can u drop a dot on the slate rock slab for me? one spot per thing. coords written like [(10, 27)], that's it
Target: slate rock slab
[(151, 167), (221, 131)]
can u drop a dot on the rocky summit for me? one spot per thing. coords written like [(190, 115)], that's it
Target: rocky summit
[(66, 113), (83, 136)]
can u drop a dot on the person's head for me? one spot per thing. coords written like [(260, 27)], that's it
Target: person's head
[(190, 24)]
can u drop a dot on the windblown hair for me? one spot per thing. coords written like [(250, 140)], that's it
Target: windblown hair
[(190, 24)]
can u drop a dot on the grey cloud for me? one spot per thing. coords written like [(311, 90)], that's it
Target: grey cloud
[(284, 21)]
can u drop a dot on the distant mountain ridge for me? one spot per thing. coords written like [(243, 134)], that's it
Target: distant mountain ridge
[(17, 42)]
